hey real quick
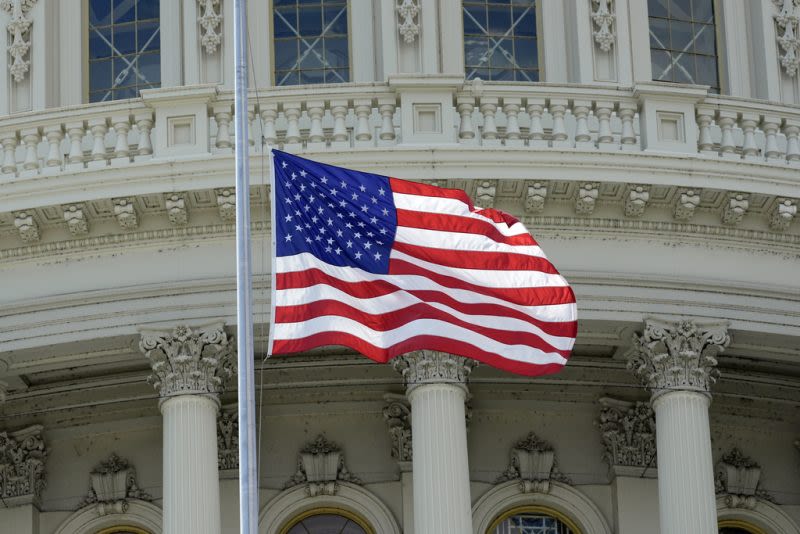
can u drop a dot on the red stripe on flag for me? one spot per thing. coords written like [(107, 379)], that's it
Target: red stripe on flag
[(452, 346), (312, 277), (492, 261), (453, 223), (395, 319), (415, 188)]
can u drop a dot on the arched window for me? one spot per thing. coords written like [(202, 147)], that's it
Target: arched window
[(532, 520), (327, 521), (730, 526), (122, 530)]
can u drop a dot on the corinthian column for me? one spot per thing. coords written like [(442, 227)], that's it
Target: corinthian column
[(677, 362), (436, 388), (189, 370)]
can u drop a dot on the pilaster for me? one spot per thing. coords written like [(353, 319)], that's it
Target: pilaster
[(553, 41)]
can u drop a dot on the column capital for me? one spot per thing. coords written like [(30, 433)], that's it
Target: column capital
[(433, 367), (188, 361), (22, 455), (679, 355)]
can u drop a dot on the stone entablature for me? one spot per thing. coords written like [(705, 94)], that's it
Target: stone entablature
[(22, 465), (678, 355), (628, 431), (188, 361)]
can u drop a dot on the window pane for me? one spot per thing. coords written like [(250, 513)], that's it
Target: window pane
[(326, 524), (659, 33), (703, 11), (660, 61), (532, 523), (310, 22), (500, 40), (127, 32), (658, 8), (704, 39)]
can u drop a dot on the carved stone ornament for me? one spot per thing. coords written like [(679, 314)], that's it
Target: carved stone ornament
[(125, 213), (226, 201), (587, 198), (636, 202), (735, 208), (629, 433), (176, 208), (26, 226), (678, 355), (397, 414), (431, 367), (603, 18), (783, 214), (533, 463), (535, 197), (687, 203), (210, 20), (228, 440), (113, 482), (408, 10), (485, 193), (77, 224), (320, 465), (787, 21), (187, 361), (22, 457), (737, 477), (19, 27)]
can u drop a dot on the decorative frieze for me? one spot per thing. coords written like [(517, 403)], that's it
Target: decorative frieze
[(735, 208), (603, 18), (113, 482), (75, 217), (408, 11), (19, 28), (787, 21), (587, 198), (688, 201), (628, 430), (678, 355), (176, 208), (431, 367), (535, 197), (533, 463), (636, 201), (125, 213), (210, 20), (26, 226), (22, 458), (397, 414), (320, 465), (228, 439), (187, 361), (226, 201), (737, 478), (485, 193), (782, 214)]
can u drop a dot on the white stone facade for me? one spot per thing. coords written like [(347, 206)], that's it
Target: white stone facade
[(671, 210)]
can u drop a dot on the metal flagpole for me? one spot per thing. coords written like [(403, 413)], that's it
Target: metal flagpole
[(248, 482)]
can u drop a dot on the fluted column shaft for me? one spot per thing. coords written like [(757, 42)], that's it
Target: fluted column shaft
[(191, 479), (687, 502), (441, 468)]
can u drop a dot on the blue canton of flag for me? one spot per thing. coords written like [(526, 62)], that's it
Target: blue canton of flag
[(343, 217)]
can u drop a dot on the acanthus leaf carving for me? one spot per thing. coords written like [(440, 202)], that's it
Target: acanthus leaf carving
[(228, 439), (397, 414), (408, 10), (125, 213), (210, 20), (187, 361), (19, 27), (735, 208), (226, 201), (26, 226), (22, 458), (638, 196), (320, 466), (628, 430), (782, 214), (113, 482), (587, 198), (532, 462), (535, 197), (787, 22), (430, 366), (603, 18), (485, 193), (688, 201), (177, 212), (678, 355), (77, 224)]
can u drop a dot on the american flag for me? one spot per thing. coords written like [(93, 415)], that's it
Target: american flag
[(388, 266)]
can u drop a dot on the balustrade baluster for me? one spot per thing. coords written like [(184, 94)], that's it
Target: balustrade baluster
[(122, 125), (583, 138), (222, 116), (269, 112), (705, 144), (54, 136), (9, 141), (726, 121), (792, 130), (557, 109), (535, 110), (292, 112), (605, 138), (339, 112), (99, 129), (466, 130), (387, 106), (770, 125), (316, 138), (144, 123), (363, 110), (76, 132), (511, 109), (31, 137), (627, 111), (749, 125), (489, 108)]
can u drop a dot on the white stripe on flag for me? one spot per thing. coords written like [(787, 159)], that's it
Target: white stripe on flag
[(451, 206)]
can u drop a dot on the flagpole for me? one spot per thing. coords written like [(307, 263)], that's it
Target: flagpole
[(248, 476)]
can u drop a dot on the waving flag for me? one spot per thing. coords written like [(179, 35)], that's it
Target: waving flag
[(387, 266)]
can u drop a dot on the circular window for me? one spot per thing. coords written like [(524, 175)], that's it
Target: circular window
[(327, 521), (730, 526), (123, 530), (533, 520)]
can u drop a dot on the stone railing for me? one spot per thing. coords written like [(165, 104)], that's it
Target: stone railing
[(173, 123)]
